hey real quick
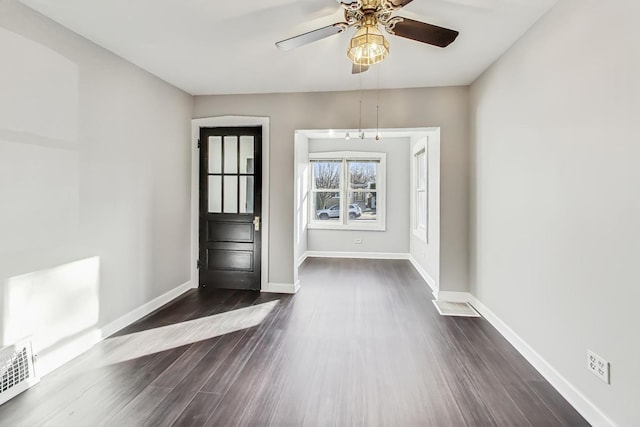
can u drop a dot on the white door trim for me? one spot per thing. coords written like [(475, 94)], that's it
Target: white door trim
[(229, 121)]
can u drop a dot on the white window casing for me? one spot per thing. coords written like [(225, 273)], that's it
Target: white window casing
[(353, 200), (419, 191)]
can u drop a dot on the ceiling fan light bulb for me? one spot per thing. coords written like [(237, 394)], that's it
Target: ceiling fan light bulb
[(368, 46)]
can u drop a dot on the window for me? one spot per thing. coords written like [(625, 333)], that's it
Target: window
[(420, 196), (326, 188), (347, 190)]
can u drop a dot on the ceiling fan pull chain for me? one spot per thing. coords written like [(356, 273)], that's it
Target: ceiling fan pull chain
[(378, 104)]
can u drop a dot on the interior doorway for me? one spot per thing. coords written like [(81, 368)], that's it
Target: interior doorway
[(230, 207), (402, 235), (230, 121)]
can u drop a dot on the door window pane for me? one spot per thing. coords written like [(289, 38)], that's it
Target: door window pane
[(215, 154), (230, 154), (246, 194), (215, 194), (230, 194), (246, 154)]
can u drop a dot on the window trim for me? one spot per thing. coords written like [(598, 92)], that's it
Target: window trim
[(420, 232), (345, 223)]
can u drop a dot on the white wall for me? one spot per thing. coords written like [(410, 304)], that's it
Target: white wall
[(427, 253), (301, 218), (395, 239), (556, 212), (446, 108), (94, 183)]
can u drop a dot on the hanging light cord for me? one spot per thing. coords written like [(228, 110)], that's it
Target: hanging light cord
[(360, 133), (378, 136)]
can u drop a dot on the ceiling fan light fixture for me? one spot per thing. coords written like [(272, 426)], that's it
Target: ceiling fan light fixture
[(368, 46)]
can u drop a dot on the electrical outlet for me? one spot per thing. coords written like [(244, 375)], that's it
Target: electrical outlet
[(357, 241), (598, 366)]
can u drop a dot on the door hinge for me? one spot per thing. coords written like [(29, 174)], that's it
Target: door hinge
[(199, 264), (198, 143)]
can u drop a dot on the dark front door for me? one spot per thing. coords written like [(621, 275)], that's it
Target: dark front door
[(230, 207)]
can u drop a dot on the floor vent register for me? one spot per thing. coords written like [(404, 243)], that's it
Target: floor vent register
[(462, 309)]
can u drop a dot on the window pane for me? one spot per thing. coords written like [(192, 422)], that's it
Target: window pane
[(326, 174), (364, 210), (326, 205), (215, 194), (230, 194), (363, 174), (422, 209), (421, 166), (246, 194), (215, 154), (230, 154), (246, 154)]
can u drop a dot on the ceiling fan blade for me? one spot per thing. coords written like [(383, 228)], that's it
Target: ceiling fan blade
[(357, 69), (422, 32), (311, 36)]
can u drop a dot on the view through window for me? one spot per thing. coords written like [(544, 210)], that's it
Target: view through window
[(345, 191)]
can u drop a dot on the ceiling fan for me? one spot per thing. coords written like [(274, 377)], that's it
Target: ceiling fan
[(368, 46)]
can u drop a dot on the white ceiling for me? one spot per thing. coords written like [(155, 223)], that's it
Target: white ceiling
[(227, 47)]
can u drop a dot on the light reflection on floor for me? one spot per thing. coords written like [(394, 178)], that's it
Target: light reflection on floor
[(128, 347)]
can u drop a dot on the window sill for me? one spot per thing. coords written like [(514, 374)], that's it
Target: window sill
[(346, 227)]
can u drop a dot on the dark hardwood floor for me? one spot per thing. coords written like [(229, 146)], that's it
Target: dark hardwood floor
[(359, 345)]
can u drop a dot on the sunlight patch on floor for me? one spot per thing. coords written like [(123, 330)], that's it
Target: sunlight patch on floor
[(143, 343)]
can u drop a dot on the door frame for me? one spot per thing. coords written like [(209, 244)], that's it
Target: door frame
[(229, 121)]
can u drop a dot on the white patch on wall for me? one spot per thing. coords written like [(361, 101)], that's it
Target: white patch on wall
[(56, 306)]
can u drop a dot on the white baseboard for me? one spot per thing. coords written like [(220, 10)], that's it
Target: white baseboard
[(144, 309), (579, 401), (281, 288), (52, 358), (57, 357), (302, 259), (426, 276), (358, 255)]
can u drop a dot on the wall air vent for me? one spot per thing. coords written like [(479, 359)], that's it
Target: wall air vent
[(17, 371)]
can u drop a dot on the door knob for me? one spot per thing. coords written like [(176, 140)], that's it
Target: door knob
[(256, 223)]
